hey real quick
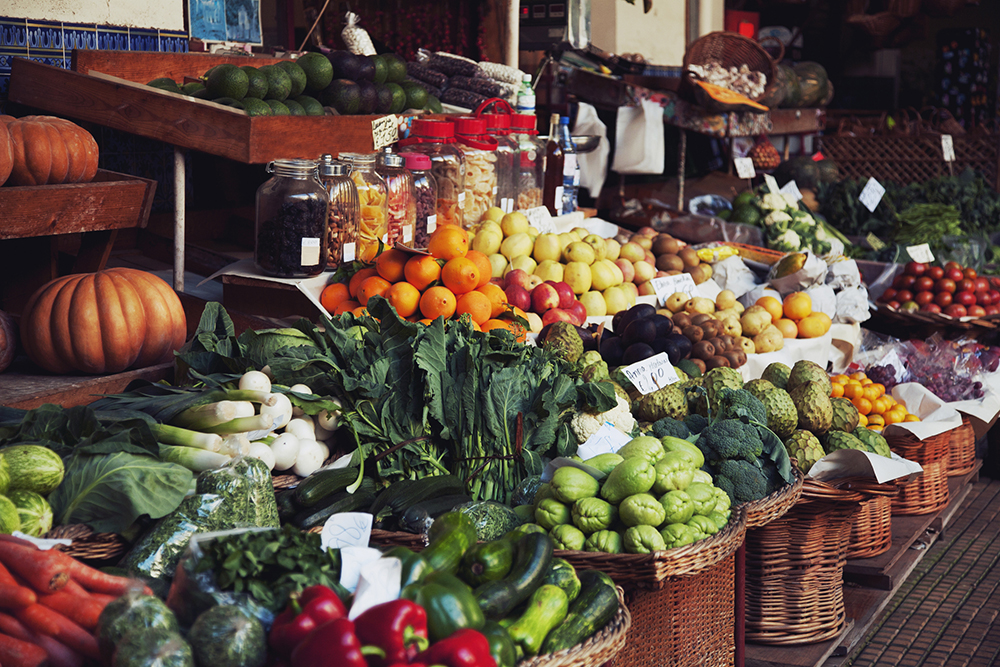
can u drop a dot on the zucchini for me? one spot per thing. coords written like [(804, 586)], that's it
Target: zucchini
[(531, 564), (401, 495), (359, 501), (287, 507), (592, 609), (562, 574), (381, 508), (419, 517), (323, 483)]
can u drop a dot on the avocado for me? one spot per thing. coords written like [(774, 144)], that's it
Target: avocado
[(319, 71), (296, 74), (278, 108), (192, 87), (343, 64), (229, 102), (279, 84), (433, 105), (395, 68), (416, 96), (384, 102), (294, 108), (343, 95), (164, 83), (201, 94), (312, 106), (398, 97), (368, 97), (228, 81), (381, 71), (256, 107), (365, 69), (258, 82)]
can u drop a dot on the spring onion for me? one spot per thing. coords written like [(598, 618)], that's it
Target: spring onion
[(243, 425), (260, 450), (196, 460), (285, 448), (309, 459), (255, 380), (281, 410), (211, 414), (173, 435), (302, 427), (235, 445)]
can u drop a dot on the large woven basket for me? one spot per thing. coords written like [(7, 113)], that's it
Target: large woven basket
[(88, 545), (795, 567), (929, 492), (597, 650), (871, 529), (962, 449), (764, 511), (688, 622), (730, 49)]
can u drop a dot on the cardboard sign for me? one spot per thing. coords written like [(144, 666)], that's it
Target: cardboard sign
[(669, 285), (948, 148), (385, 131), (920, 253), (791, 190), (871, 195), (744, 167), (607, 439), (651, 374), (772, 184)]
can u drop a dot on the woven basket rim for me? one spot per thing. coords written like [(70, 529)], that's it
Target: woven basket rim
[(87, 544), (763, 511), (598, 649)]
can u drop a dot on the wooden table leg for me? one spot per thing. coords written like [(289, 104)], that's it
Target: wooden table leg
[(95, 248)]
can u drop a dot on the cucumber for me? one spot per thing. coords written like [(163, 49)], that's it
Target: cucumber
[(531, 564), (562, 574), (287, 507), (381, 508), (323, 483), (401, 495), (359, 501), (592, 609)]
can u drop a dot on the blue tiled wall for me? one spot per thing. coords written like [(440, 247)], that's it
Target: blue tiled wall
[(52, 43)]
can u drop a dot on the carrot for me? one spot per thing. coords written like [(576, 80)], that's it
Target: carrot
[(82, 611), (18, 653), (16, 597), (96, 581), (42, 569), (12, 627), (66, 631), (75, 589), (17, 540), (6, 578), (104, 599), (59, 654)]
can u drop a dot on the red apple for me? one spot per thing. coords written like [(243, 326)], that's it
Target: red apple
[(970, 273), (952, 265), (923, 298), (931, 307), (935, 272), (955, 310), (566, 295), (923, 284), (543, 298), (945, 285), (888, 295), (556, 315), (977, 311), (914, 269), (517, 296), (943, 299), (904, 295), (965, 285), (579, 311), (965, 298), (628, 269), (993, 309), (981, 284), (954, 273), (995, 282), (904, 281), (893, 304), (517, 277)]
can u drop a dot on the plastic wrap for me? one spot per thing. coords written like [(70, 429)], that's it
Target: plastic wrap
[(227, 636), (734, 275), (153, 647), (462, 98), (246, 483), (852, 305), (356, 38), (485, 87), (501, 72), (158, 552), (421, 72), (452, 65), (128, 613)]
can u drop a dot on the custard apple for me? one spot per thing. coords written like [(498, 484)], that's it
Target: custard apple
[(808, 371), (564, 341), (777, 374), (874, 440), (718, 379), (804, 449), (759, 387), (812, 402), (835, 440), (667, 401), (845, 415), (782, 417)]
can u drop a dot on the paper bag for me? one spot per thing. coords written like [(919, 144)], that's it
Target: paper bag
[(639, 139)]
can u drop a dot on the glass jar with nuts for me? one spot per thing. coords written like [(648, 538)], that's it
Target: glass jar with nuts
[(342, 228)]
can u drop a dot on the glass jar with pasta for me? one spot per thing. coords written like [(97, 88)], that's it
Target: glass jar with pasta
[(531, 158), (401, 207), (480, 150), (508, 155), (373, 210), (436, 139)]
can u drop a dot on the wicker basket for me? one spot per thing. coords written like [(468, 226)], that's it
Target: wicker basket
[(730, 49), (597, 650), (88, 545), (690, 621), (764, 511), (929, 492), (962, 450), (795, 566), (871, 529)]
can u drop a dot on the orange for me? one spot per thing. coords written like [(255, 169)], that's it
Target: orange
[(911, 418), (346, 307), (359, 278), (862, 420), (881, 389), (853, 391), (425, 321), (404, 297), (460, 275), (899, 412), (879, 406), (859, 376), (475, 326), (390, 264), (437, 302), (448, 242), (369, 287), (840, 379), (421, 271), (519, 332), (814, 325), (863, 405), (870, 392), (877, 420), (866, 382), (360, 311), (497, 297), (482, 262), (892, 418), (787, 327), (773, 306), (797, 306), (333, 295), (837, 390), (476, 304)]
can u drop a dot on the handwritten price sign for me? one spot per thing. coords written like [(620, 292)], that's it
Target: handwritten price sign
[(385, 131), (651, 374), (669, 285)]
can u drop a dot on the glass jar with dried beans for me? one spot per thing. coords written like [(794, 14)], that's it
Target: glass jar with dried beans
[(292, 209), (424, 198)]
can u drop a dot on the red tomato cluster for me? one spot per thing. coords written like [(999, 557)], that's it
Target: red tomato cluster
[(951, 289)]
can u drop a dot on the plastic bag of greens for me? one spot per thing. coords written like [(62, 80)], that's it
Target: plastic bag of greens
[(246, 484), (227, 636), (129, 613), (157, 553)]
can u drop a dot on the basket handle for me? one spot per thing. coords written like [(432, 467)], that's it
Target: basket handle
[(493, 101)]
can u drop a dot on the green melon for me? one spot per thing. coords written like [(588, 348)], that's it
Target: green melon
[(793, 91), (34, 468), (812, 83)]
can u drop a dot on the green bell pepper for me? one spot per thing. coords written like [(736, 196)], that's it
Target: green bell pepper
[(643, 540), (449, 537), (641, 509), (677, 507), (502, 647), (547, 608), (415, 566), (449, 602)]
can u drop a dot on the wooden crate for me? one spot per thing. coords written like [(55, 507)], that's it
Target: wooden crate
[(119, 99)]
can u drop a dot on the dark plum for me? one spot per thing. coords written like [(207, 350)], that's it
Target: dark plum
[(636, 352), (612, 350), (639, 331)]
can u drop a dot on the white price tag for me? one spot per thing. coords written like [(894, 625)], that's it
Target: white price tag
[(791, 190), (669, 285), (346, 529), (407, 233), (744, 167), (350, 252), (651, 374), (540, 218), (432, 223), (461, 198), (772, 184), (309, 255), (607, 439), (871, 195), (948, 148), (920, 253), (385, 131)]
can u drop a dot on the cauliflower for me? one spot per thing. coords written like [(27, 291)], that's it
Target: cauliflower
[(820, 233), (787, 241), (585, 424), (778, 219), (773, 202)]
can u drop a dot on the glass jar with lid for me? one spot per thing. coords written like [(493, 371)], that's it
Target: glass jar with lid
[(424, 197), (436, 139), (373, 210), (342, 225), (480, 150), (401, 207), (292, 209), (531, 160), (508, 155)]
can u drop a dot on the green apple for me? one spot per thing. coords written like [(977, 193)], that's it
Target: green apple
[(578, 251), (514, 223), (499, 264), (548, 269), (519, 244), (612, 249), (578, 276), (597, 243), (487, 241), (603, 276), (547, 246), (615, 299)]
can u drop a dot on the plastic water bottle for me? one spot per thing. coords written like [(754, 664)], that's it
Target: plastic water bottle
[(526, 96), (571, 167)]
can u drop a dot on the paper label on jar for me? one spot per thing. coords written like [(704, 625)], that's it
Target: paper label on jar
[(432, 223), (461, 198), (495, 190), (350, 254), (559, 196), (310, 252), (407, 234)]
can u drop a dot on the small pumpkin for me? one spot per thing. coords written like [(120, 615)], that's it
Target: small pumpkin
[(6, 154), (8, 341), (47, 150), (103, 322), (793, 92)]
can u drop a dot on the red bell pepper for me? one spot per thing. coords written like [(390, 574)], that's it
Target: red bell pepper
[(398, 627), (306, 611), (333, 644), (463, 648)]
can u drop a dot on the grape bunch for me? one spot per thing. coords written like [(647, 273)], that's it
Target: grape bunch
[(948, 390), (884, 375)]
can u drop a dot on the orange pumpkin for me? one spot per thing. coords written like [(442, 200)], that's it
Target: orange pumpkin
[(47, 150), (102, 322), (6, 154)]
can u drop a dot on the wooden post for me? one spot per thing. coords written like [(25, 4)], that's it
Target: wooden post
[(179, 205), (680, 169), (512, 33)]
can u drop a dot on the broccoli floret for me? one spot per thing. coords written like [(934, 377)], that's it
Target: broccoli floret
[(739, 404), (696, 423), (742, 480), (730, 439), (670, 426)]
